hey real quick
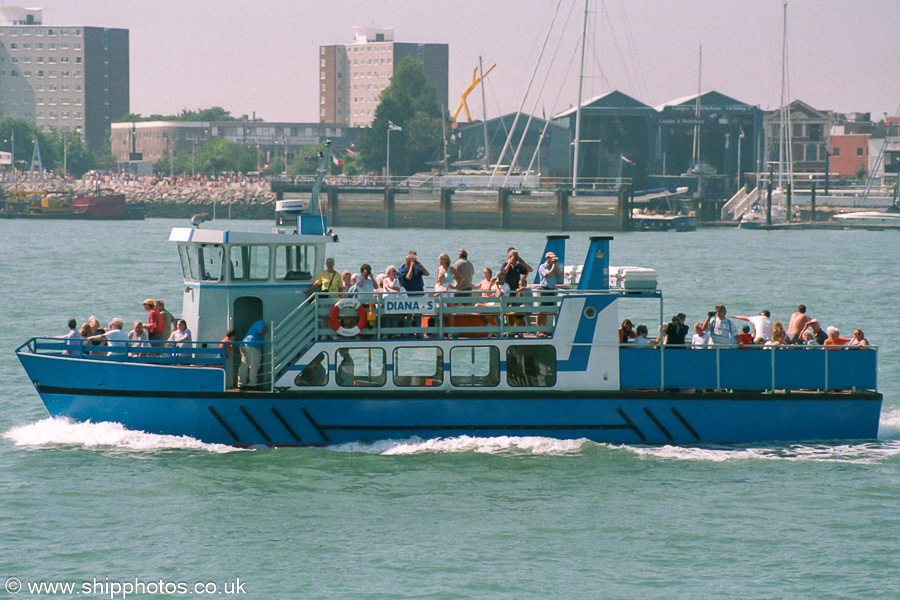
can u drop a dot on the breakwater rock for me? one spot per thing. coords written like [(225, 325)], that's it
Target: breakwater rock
[(240, 200)]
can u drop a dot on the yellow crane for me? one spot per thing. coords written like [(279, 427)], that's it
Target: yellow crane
[(462, 99)]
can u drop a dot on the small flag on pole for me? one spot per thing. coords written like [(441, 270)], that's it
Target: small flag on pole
[(392, 127), (743, 137), (337, 161), (626, 159), (350, 152)]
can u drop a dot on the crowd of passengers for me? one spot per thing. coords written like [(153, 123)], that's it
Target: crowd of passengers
[(719, 329), (510, 279)]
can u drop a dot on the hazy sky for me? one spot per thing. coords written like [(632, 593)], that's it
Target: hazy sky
[(262, 56)]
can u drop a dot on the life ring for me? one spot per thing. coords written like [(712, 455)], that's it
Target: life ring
[(336, 323)]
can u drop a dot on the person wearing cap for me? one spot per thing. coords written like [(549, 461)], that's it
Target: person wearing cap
[(551, 275), (762, 324), (154, 324), (817, 331)]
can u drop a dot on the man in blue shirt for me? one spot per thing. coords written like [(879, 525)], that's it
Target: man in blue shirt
[(251, 354), (411, 273), (551, 275)]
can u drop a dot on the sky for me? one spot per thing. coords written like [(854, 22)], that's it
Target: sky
[(262, 57)]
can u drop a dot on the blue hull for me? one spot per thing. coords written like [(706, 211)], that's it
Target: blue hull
[(620, 417)]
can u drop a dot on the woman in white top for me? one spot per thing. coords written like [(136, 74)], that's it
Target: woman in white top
[(390, 284), (181, 337), (444, 269)]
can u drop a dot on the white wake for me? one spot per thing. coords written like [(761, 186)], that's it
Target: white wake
[(105, 435)]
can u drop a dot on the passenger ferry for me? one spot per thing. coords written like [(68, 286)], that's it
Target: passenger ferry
[(358, 367)]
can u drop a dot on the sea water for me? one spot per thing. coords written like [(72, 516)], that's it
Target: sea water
[(129, 514)]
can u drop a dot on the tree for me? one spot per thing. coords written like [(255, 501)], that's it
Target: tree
[(410, 103)]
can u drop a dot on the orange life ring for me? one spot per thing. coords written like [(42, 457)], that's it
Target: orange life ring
[(335, 322)]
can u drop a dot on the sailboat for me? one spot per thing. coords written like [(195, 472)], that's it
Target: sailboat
[(757, 215)]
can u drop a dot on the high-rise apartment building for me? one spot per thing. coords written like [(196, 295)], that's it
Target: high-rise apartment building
[(352, 76), (70, 77)]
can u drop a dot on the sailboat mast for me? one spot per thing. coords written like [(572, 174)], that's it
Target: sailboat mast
[(784, 115), (578, 109), (696, 149), (487, 154)]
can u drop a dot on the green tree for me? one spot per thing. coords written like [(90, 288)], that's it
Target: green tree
[(410, 103), (221, 154), (215, 113)]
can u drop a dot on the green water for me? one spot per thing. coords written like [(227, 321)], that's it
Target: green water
[(459, 517)]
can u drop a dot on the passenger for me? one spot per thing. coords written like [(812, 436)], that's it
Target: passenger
[(251, 354), (379, 282), (391, 284), (115, 337), (778, 339), (720, 327), (551, 276), (86, 331), (365, 283), (762, 325), (96, 330), (797, 324), (444, 269), (328, 281), (776, 327), (464, 272), (346, 370), (676, 332), (138, 338), (515, 269), (227, 344), (642, 339), (487, 283), (744, 337), (808, 338), (346, 281), (154, 324), (73, 338), (167, 318), (314, 373), (817, 330), (181, 337), (626, 332), (859, 338), (700, 338), (834, 337), (412, 273)]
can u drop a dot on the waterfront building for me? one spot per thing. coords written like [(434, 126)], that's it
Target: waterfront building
[(550, 161), (884, 152), (808, 138), (352, 76), (849, 153), (70, 77), (151, 141)]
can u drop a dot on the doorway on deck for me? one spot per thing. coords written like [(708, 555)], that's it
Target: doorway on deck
[(247, 311)]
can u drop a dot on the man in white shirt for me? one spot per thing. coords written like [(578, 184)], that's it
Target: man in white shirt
[(762, 325), (721, 330), (115, 337)]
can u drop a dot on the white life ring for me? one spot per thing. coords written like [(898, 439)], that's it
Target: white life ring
[(335, 321)]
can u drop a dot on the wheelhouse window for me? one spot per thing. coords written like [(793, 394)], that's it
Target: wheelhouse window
[(249, 263), (418, 366), (531, 366), (475, 366), (184, 255), (360, 367), (295, 263), (210, 258), (315, 373)]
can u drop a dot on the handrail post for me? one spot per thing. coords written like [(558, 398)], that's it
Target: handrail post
[(718, 369)]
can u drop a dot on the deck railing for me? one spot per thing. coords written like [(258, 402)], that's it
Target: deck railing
[(748, 367), (203, 354)]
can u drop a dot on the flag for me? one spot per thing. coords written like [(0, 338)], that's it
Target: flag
[(743, 137), (350, 152), (337, 161), (626, 159), (5, 158), (392, 127)]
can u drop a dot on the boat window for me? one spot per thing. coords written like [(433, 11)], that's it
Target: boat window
[(315, 373), (531, 366), (209, 257), (359, 367), (249, 263), (183, 252), (295, 263), (192, 259), (475, 366), (418, 366)]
